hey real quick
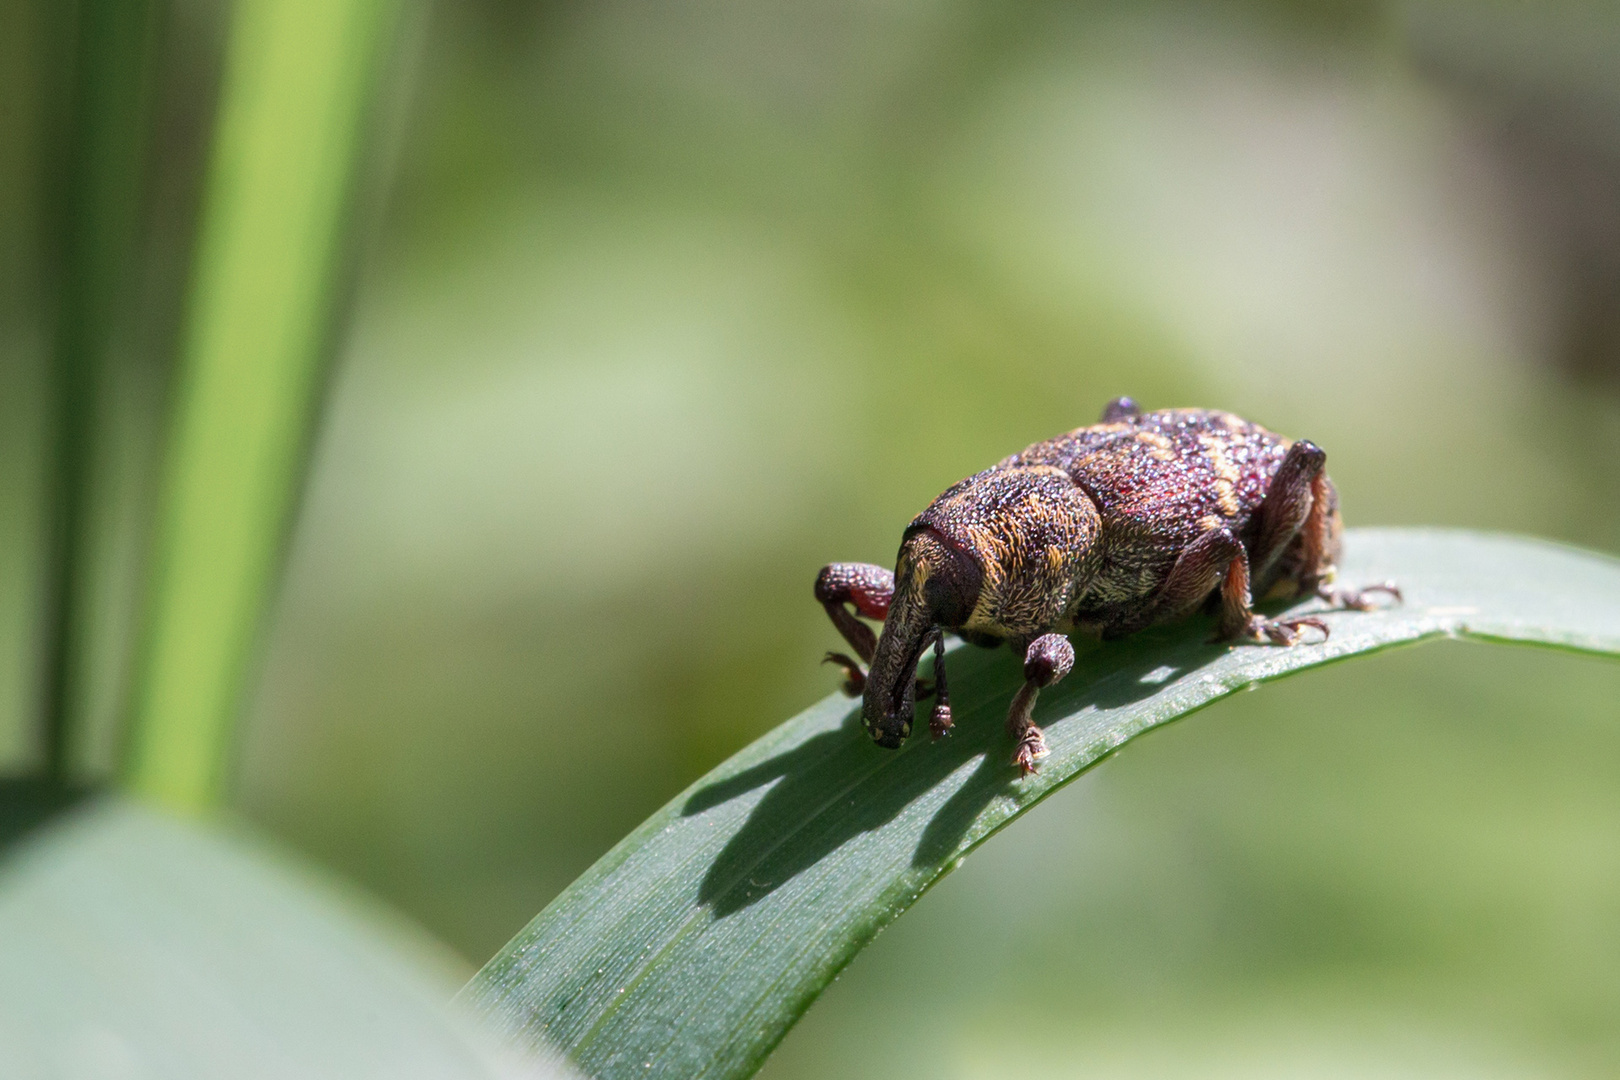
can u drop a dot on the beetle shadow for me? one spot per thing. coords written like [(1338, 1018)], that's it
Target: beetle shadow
[(837, 785), (827, 790), (1135, 669)]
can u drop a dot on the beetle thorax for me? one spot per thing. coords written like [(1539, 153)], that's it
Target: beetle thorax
[(1029, 532)]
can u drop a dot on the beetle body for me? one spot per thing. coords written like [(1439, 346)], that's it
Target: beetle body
[(1082, 531), (1139, 519)]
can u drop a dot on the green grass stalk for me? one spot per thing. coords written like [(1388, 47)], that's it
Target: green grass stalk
[(300, 77)]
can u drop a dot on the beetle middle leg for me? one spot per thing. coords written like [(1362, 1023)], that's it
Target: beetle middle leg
[(1196, 573), (869, 589), (1217, 559), (1046, 660)]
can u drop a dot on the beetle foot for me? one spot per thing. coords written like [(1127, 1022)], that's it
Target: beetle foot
[(1031, 750), (1283, 631), (1358, 599), (854, 675), (939, 721)]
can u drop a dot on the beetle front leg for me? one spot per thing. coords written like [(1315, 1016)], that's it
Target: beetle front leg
[(1047, 660), (869, 589)]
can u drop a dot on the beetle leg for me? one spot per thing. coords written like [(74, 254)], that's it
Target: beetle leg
[(1316, 536), (939, 722), (1196, 573), (1238, 619), (1295, 500), (854, 674), (1358, 599), (1119, 409), (1047, 659), (870, 589)]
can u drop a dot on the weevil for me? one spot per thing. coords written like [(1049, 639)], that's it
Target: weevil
[(1140, 519)]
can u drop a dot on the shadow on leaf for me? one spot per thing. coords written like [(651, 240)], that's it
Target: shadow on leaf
[(837, 785)]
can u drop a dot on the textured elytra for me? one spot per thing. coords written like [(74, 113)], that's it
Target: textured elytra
[(1154, 484)]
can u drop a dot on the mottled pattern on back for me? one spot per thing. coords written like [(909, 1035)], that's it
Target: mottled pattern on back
[(1159, 480)]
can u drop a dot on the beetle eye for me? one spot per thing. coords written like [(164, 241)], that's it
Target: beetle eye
[(946, 601), (951, 588)]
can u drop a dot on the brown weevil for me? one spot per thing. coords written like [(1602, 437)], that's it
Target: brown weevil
[(1142, 518)]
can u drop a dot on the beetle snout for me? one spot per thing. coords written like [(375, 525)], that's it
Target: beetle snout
[(891, 685), (890, 732), (890, 700)]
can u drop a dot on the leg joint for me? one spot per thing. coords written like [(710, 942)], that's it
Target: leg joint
[(870, 588)]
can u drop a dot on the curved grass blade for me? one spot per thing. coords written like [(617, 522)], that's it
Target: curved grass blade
[(692, 947)]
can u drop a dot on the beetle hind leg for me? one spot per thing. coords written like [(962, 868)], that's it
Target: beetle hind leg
[(1240, 622), (1298, 538), (1358, 599), (869, 590), (1294, 512)]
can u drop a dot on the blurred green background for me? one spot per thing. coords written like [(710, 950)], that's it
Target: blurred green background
[(658, 307)]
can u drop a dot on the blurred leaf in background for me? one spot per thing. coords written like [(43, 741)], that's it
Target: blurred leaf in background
[(692, 947), (135, 943)]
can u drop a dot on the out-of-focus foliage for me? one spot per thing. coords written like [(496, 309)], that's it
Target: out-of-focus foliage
[(291, 139), (673, 306), (135, 945), (131, 944)]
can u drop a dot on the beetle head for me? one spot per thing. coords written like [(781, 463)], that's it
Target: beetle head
[(935, 585), (1000, 554)]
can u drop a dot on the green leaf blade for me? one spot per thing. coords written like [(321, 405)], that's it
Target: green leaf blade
[(293, 109), (692, 947), (137, 944)]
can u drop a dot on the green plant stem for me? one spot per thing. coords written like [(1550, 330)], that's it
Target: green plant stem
[(299, 77), (692, 947), (98, 215)]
